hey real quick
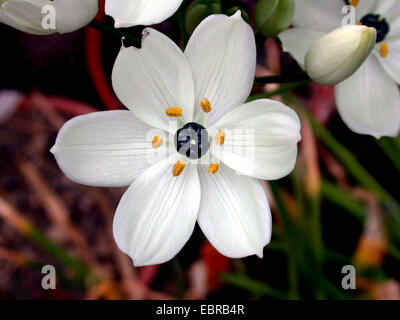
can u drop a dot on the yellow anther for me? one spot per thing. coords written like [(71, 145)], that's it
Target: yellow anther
[(213, 168), (384, 50), (220, 137), (359, 23), (354, 3), (157, 142), (178, 168), (174, 112), (205, 105)]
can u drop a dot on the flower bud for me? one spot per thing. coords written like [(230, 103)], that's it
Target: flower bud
[(198, 11), (338, 55), (273, 16)]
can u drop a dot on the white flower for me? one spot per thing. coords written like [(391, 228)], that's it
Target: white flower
[(45, 16), (369, 101), (128, 13), (207, 84), (335, 57)]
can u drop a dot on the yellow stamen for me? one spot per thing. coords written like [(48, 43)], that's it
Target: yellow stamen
[(174, 112), (205, 105), (359, 23), (354, 3), (213, 168), (220, 137), (178, 168), (157, 142), (384, 50)]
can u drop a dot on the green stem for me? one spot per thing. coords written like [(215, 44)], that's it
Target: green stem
[(260, 39), (391, 149), (281, 90), (58, 253), (180, 280), (342, 199), (261, 81), (257, 288), (102, 27), (180, 17), (343, 154)]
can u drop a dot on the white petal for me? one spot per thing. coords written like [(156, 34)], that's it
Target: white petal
[(151, 79), (28, 15), (321, 15), (394, 29), (128, 13), (109, 148), (74, 14), (157, 214), (297, 41), (261, 139), (369, 101), (391, 63), (222, 54), (387, 7), (234, 213), (365, 7), (25, 15)]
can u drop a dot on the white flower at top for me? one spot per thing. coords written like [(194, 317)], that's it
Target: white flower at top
[(368, 101), (128, 13), (205, 89), (31, 15)]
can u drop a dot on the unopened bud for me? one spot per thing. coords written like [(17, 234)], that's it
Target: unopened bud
[(273, 16), (198, 11), (338, 55)]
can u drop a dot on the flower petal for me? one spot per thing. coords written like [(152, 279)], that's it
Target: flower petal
[(321, 15), (222, 54), (369, 101), (28, 15), (234, 213), (154, 78), (25, 15), (261, 139), (128, 13), (391, 63), (393, 17), (109, 148), (365, 7), (387, 7), (74, 14), (297, 41), (157, 214)]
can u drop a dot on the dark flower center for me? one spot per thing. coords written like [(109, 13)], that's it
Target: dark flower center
[(380, 24), (192, 140)]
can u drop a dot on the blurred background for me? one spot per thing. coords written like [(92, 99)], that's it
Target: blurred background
[(339, 207)]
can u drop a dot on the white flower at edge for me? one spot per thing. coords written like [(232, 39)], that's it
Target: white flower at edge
[(207, 84), (28, 15), (369, 101), (128, 13)]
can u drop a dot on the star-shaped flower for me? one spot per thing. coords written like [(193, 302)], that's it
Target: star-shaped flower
[(368, 101), (190, 148)]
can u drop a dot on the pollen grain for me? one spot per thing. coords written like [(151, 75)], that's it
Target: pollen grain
[(220, 137), (174, 112), (178, 168), (384, 50), (157, 142), (205, 104), (213, 168)]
